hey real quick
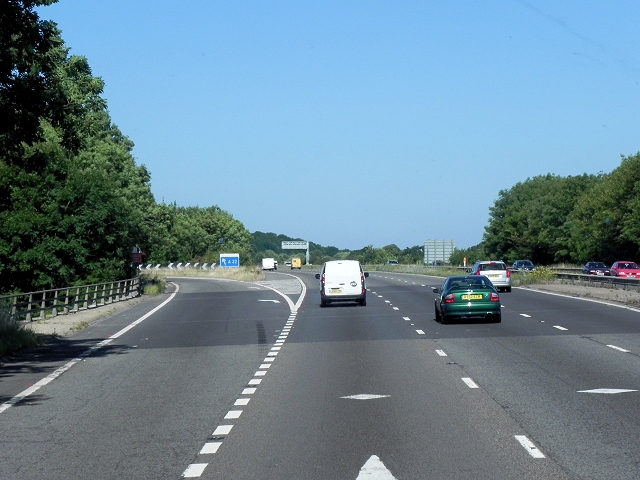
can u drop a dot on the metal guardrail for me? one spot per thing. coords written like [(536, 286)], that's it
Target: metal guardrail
[(601, 281), (61, 301)]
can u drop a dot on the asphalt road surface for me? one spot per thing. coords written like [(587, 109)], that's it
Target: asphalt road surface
[(232, 380)]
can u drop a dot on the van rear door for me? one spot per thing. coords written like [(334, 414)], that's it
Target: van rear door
[(343, 278)]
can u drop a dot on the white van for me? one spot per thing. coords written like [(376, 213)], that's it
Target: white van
[(342, 281)]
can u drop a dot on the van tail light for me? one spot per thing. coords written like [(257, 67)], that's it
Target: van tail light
[(494, 297), (322, 284), (362, 282), (448, 298)]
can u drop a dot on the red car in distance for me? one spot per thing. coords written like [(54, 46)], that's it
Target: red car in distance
[(625, 269)]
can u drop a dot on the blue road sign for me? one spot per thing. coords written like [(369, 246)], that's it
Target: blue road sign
[(229, 259)]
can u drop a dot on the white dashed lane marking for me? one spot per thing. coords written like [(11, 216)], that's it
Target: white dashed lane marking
[(209, 448), (222, 430), (195, 470), (529, 446), (470, 383)]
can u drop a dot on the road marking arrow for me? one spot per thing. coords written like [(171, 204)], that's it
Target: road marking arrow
[(607, 390), (365, 396), (374, 469)]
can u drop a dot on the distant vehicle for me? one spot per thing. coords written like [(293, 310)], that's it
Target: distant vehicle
[(296, 263), (625, 269), (392, 262), (496, 271), (342, 281), (467, 297), (269, 264), (523, 265), (596, 268), (287, 263)]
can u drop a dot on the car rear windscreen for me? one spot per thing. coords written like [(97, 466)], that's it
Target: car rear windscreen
[(493, 266)]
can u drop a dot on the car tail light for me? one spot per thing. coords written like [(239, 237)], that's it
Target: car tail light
[(448, 298), (494, 297), (508, 273), (362, 282), (477, 272)]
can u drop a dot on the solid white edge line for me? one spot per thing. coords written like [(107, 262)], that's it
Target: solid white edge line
[(293, 307), (49, 378), (603, 302), (144, 317), (529, 446)]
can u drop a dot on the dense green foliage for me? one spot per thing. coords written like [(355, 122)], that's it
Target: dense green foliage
[(550, 219), (529, 220), (193, 234), (73, 202)]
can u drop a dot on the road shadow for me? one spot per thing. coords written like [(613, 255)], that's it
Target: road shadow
[(35, 363)]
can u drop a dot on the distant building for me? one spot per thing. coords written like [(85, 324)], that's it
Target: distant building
[(438, 252)]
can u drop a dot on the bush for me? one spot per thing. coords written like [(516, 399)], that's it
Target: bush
[(539, 275), (13, 335), (152, 285)]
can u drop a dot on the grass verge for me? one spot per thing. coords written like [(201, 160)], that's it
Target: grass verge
[(247, 274), (540, 275), (13, 335)]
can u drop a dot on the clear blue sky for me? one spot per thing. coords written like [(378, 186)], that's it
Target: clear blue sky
[(364, 122)]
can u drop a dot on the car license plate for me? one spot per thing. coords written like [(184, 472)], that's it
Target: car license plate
[(599, 273), (472, 297), (493, 276), (336, 290)]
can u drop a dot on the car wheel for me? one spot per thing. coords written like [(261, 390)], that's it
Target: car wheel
[(497, 318), (438, 319), (443, 319), (363, 302), (323, 303)]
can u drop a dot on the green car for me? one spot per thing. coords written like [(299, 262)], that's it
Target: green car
[(467, 297)]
